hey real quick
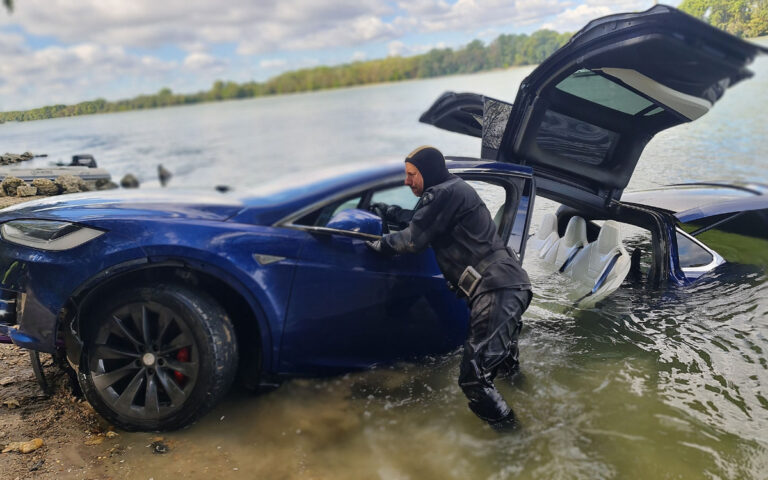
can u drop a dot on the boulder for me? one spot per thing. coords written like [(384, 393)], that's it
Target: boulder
[(10, 184), (129, 181), (71, 184), (45, 186), (26, 191), (104, 184)]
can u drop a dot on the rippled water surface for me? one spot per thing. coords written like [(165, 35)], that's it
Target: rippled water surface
[(649, 384)]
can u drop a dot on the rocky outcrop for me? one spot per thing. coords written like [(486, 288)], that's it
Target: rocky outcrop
[(11, 158), (45, 187), (26, 191), (72, 184), (103, 184), (10, 184), (129, 181)]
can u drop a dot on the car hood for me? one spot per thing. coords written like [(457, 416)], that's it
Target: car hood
[(82, 207), (583, 117)]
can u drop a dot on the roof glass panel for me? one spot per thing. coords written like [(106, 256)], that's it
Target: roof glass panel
[(597, 89)]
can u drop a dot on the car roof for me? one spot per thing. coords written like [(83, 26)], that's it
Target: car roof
[(696, 200), (678, 198), (284, 195)]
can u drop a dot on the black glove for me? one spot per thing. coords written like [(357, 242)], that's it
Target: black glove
[(380, 247), (379, 209)]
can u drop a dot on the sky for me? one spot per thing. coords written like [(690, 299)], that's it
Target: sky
[(67, 51)]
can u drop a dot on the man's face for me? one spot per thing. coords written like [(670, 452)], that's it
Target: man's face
[(414, 179)]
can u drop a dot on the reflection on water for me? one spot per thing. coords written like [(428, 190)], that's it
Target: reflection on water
[(649, 384)]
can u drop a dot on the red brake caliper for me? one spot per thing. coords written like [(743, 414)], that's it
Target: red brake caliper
[(182, 356)]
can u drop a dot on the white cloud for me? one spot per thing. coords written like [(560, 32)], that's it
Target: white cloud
[(398, 48), (202, 61), (359, 56), (273, 63), (69, 74), (573, 19)]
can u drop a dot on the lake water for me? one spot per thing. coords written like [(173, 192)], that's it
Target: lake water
[(649, 385)]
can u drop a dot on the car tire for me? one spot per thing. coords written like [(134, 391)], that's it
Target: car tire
[(157, 357)]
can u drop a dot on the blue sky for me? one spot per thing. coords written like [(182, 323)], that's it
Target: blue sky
[(65, 51)]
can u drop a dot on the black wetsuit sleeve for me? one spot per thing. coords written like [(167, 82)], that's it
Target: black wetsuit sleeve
[(431, 218)]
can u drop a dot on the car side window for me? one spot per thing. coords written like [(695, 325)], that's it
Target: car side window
[(691, 254), (494, 196), (323, 215), (400, 195)]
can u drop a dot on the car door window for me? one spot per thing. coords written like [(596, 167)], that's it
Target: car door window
[(691, 254), (321, 216), (401, 195), (494, 196)]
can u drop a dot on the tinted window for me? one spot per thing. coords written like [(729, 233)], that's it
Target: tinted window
[(597, 89), (401, 196), (751, 224), (575, 139), (690, 253)]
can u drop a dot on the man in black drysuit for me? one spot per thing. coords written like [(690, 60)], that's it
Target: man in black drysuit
[(451, 217)]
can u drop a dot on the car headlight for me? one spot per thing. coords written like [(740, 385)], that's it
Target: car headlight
[(47, 234)]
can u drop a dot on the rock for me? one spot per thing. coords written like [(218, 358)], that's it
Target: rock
[(10, 184), (104, 184), (24, 447), (26, 191), (111, 434), (129, 181), (45, 186), (26, 156), (71, 184), (94, 441), (7, 381), (158, 447), (11, 403), (163, 174)]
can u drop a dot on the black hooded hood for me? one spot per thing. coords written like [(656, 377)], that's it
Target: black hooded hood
[(431, 165)]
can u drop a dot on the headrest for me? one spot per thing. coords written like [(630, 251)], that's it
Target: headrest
[(575, 232), (609, 237), (548, 225)]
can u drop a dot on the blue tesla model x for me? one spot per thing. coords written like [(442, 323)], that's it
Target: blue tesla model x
[(158, 300)]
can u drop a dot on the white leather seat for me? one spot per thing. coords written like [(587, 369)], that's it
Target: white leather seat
[(574, 240), (607, 257), (546, 235)]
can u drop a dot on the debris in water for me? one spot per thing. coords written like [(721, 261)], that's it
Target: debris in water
[(24, 447)]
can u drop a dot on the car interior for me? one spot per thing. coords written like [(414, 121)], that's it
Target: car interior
[(597, 267)]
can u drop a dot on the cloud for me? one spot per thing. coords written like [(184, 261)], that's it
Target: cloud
[(69, 74), (203, 61), (573, 19), (273, 63), (398, 48), (359, 56)]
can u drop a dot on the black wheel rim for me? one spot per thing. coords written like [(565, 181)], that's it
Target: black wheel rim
[(144, 361)]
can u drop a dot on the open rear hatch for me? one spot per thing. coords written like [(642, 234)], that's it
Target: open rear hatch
[(582, 118)]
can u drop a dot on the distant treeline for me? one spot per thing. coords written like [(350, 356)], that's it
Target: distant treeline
[(745, 18), (504, 51)]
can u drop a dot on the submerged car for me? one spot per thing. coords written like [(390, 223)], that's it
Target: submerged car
[(159, 300)]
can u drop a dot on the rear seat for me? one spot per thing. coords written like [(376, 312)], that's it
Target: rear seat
[(601, 266), (564, 250), (545, 236)]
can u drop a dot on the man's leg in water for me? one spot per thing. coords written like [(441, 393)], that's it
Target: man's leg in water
[(494, 328)]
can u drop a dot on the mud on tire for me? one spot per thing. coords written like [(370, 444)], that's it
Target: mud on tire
[(157, 357)]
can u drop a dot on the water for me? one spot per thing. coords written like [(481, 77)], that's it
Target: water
[(649, 385)]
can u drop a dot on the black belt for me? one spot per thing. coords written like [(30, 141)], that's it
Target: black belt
[(471, 276)]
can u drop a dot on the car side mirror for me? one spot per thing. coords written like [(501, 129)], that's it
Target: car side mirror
[(356, 220)]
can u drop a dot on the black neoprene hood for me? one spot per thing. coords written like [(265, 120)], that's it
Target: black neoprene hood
[(430, 163)]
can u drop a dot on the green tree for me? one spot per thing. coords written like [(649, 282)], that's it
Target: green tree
[(745, 18)]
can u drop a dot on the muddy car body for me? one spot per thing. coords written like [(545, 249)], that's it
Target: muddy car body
[(158, 299)]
